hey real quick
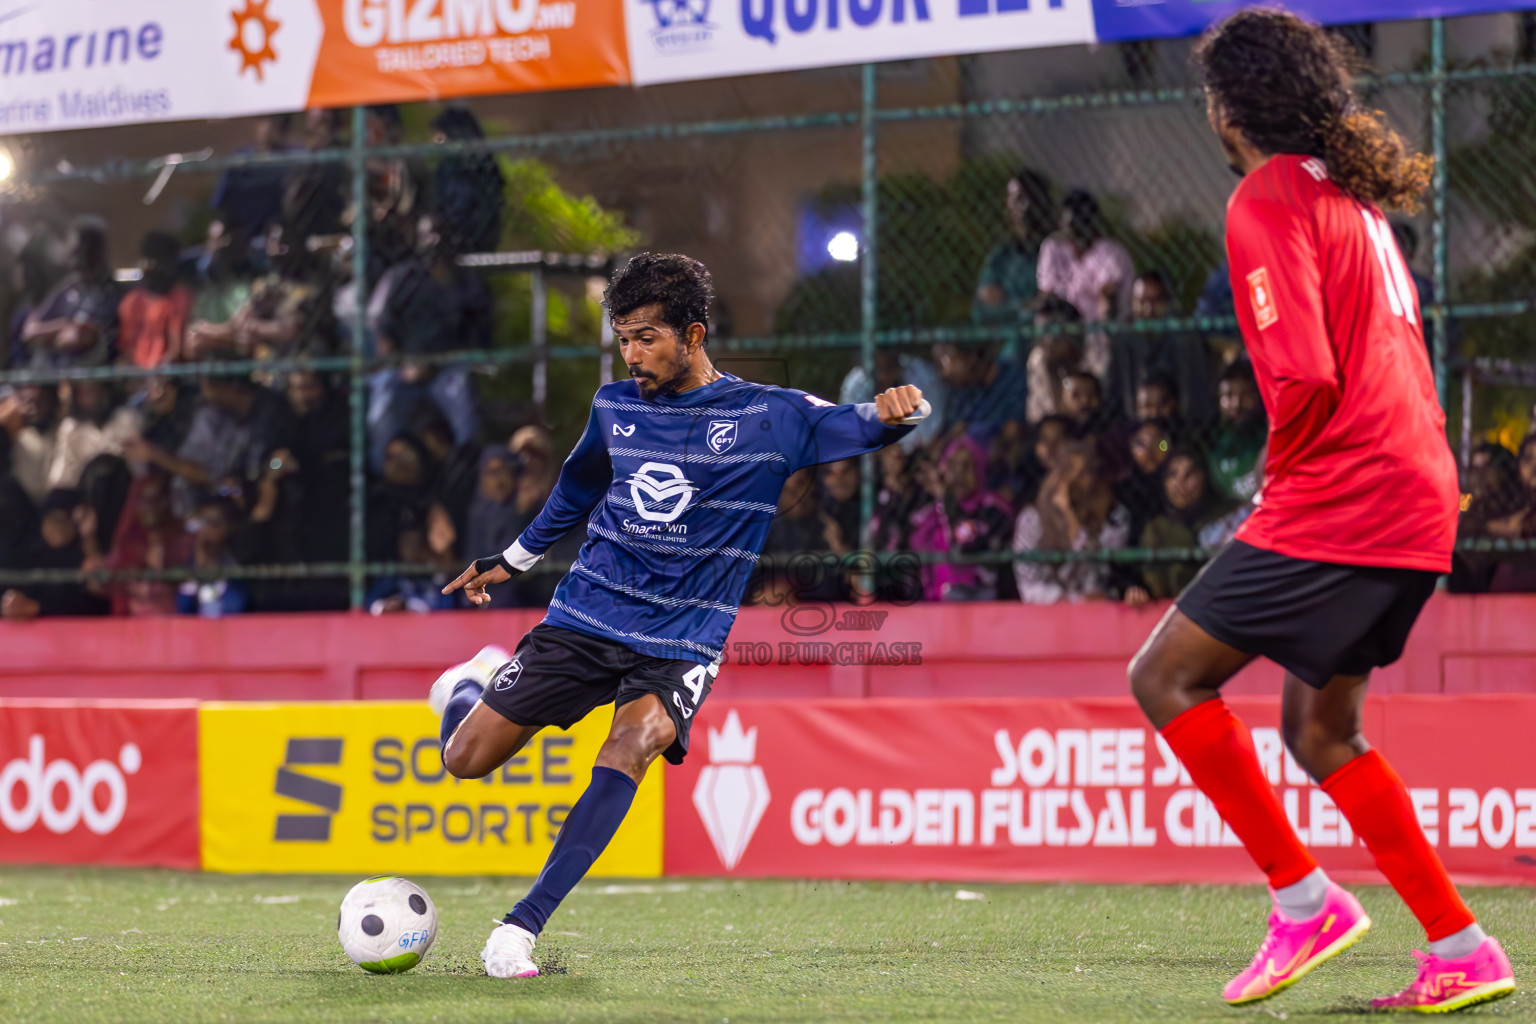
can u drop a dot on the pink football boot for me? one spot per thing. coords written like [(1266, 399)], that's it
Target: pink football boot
[(1446, 985), (1292, 948)]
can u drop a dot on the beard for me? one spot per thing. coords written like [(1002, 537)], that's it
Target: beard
[(666, 382)]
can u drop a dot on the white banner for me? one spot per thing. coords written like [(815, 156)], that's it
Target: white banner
[(676, 40), (85, 63)]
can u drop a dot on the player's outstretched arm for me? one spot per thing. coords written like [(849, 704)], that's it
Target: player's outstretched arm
[(483, 572)]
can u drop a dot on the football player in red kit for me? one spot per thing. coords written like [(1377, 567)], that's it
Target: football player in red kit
[(1355, 521)]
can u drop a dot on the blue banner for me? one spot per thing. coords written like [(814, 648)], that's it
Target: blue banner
[(1123, 20)]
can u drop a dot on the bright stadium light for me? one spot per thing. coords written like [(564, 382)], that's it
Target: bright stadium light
[(7, 166), (843, 247)]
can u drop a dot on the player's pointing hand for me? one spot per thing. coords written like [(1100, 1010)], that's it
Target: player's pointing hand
[(899, 405), (482, 572)]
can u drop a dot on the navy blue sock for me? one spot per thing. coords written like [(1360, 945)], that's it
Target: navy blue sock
[(586, 833), (465, 695)]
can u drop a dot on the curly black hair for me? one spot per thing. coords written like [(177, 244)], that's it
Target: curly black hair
[(1287, 85), (680, 285)]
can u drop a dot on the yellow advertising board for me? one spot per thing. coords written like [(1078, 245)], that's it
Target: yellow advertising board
[(359, 787)]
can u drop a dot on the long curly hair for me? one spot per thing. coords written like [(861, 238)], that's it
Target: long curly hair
[(1288, 86)]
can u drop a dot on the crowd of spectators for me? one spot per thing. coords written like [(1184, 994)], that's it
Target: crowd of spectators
[(1088, 440), (164, 472), (1082, 441)]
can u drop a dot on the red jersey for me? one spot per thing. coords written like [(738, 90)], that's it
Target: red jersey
[(1359, 470)]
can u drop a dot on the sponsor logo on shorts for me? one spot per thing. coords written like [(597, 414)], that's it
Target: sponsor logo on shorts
[(509, 675)]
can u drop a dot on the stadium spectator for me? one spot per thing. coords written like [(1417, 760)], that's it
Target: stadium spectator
[(840, 512), (30, 419), (400, 496), (1075, 511), (469, 191), (1157, 398), (152, 318), (1193, 515), (76, 323), (1216, 295), (1010, 470), (1492, 494), (149, 536), (317, 193), (1180, 357), (320, 455), (33, 277), (209, 529), (894, 368), (164, 408), (93, 424), (897, 501), (396, 194), (65, 528), (964, 518), (984, 391), (494, 519), (1055, 353), (415, 593), (1009, 279), (223, 286), (425, 306), (1518, 572), (1141, 490), (104, 485), (1091, 272), (249, 197), (1241, 434), (288, 312), (18, 516), (236, 424), (456, 468)]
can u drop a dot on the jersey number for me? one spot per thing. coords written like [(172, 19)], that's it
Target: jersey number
[(694, 679), (1400, 292)]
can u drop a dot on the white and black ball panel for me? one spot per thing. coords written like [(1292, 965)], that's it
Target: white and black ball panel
[(386, 924)]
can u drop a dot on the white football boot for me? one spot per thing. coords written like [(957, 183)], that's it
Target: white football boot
[(508, 953), (480, 669)]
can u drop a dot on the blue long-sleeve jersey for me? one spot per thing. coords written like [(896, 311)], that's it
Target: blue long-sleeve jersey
[(678, 493)]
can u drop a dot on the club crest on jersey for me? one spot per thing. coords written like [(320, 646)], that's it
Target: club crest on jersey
[(509, 675), (660, 491), (722, 434)]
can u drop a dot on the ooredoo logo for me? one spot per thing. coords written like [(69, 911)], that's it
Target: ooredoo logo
[(41, 782)]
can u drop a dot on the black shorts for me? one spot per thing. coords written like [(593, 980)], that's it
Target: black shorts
[(558, 676), (1316, 620)]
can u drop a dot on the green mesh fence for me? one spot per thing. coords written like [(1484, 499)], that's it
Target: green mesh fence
[(436, 271)]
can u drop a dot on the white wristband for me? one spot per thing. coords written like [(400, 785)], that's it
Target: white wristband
[(519, 557)]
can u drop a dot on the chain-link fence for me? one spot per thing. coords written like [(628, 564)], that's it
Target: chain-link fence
[(320, 361)]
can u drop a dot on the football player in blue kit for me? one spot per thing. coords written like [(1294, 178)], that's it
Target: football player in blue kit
[(677, 477)]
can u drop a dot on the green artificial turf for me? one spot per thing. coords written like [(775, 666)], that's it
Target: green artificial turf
[(111, 945)]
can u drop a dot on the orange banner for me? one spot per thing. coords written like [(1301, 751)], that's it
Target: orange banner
[(381, 51)]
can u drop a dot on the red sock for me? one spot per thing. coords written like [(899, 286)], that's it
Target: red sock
[(1218, 751), (1372, 796)]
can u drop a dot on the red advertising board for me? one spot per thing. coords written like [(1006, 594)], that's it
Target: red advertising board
[(1085, 790), (84, 782)]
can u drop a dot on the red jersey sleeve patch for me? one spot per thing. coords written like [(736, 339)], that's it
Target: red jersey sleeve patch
[(1263, 298)]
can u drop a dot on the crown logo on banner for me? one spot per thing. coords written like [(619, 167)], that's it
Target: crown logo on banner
[(732, 792), (732, 745)]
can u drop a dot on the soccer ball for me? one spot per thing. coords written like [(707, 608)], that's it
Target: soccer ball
[(386, 924)]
